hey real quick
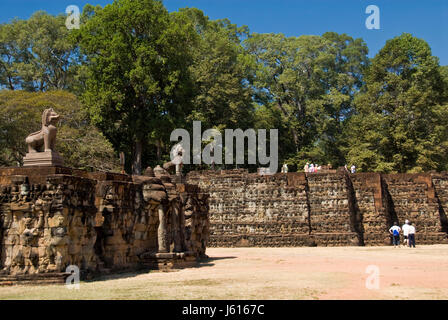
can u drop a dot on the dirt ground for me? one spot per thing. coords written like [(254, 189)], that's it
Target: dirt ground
[(275, 273)]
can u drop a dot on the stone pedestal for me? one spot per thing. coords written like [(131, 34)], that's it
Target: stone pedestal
[(42, 159), (168, 261)]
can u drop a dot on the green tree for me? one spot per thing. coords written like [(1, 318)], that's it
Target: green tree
[(220, 69), (79, 142), (13, 55), (400, 124), (312, 81), (37, 54), (138, 82), (444, 75)]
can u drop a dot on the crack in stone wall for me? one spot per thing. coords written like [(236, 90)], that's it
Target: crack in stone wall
[(440, 182)]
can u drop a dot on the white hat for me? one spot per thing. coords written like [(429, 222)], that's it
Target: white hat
[(407, 222)]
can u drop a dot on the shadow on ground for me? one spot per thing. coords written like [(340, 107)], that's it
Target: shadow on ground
[(207, 262)]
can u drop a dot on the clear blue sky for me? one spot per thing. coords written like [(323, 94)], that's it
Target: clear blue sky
[(427, 19)]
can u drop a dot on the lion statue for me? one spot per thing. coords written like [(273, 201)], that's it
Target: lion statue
[(45, 138)]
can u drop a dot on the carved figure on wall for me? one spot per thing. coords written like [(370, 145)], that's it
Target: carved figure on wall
[(57, 248), (29, 237)]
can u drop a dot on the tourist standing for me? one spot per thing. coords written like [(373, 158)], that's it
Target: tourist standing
[(306, 167), (311, 168), (411, 235), (405, 229), (395, 232), (353, 169)]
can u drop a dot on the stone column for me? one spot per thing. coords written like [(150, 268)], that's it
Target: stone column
[(176, 229), (183, 239), (161, 232)]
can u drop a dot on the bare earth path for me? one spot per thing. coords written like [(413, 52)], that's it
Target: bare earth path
[(275, 273)]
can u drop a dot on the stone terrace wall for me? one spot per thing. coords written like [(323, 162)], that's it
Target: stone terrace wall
[(256, 210), (325, 209), (440, 182), (53, 217), (330, 213), (413, 197), (46, 226), (372, 216)]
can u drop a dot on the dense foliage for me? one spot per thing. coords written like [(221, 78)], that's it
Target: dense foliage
[(82, 145), (139, 72)]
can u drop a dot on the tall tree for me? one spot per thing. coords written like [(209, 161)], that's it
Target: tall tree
[(311, 80), (37, 54), (400, 125), (220, 69), (138, 78), (13, 55)]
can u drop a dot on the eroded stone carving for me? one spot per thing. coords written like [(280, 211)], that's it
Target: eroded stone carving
[(98, 222), (326, 209)]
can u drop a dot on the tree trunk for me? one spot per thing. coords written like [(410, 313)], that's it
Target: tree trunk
[(159, 150), (295, 137), (137, 158), (11, 87)]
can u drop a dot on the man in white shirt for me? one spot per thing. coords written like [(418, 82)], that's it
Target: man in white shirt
[(411, 235), (405, 229), (395, 232)]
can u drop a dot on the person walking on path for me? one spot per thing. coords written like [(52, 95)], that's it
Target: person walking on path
[(395, 232), (405, 229), (411, 236)]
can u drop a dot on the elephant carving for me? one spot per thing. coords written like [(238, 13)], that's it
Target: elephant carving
[(44, 139)]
